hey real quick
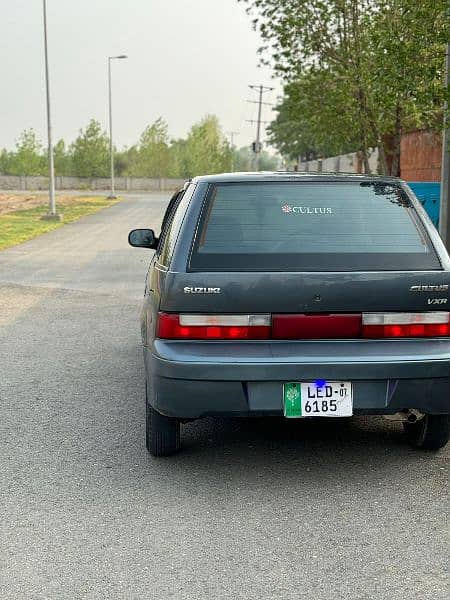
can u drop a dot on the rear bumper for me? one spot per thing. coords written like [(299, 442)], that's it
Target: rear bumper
[(194, 379)]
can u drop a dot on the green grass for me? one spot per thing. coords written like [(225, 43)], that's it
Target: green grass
[(23, 225)]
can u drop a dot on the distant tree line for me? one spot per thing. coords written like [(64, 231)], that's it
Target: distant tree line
[(205, 150), (357, 73)]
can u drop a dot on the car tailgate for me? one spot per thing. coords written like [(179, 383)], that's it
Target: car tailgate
[(310, 292)]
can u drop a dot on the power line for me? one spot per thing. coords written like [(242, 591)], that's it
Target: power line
[(254, 121), (257, 102)]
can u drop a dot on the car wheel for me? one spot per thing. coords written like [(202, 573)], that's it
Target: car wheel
[(162, 433), (429, 433)]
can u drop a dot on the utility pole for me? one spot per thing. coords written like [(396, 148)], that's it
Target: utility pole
[(232, 134), (112, 193), (444, 214), (52, 215), (257, 146)]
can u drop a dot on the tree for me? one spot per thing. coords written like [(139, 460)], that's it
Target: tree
[(90, 152), (153, 153), (206, 150), (178, 154), (62, 159), (5, 162), (408, 47), (380, 53), (267, 162), (244, 160), (309, 106), (318, 37), (28, 158)]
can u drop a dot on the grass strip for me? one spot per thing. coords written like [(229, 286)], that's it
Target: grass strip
[(23, 225)]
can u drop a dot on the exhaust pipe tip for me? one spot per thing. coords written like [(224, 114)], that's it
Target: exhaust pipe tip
[(407, 415)]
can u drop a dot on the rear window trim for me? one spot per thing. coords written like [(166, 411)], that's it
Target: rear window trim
[(206, 205)]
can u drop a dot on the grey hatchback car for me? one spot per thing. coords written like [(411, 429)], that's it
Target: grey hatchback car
[(298, 295)]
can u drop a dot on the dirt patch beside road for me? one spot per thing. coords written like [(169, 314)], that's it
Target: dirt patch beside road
[(12, 202)]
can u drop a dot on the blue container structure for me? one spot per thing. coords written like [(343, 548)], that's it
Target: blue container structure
[(429, 194)]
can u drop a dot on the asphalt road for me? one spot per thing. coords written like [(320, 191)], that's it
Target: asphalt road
[(250, 509)]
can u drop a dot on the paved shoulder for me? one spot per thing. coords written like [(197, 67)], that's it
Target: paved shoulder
[(90, 254)]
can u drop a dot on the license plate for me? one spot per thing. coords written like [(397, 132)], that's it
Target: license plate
[(318, 399)]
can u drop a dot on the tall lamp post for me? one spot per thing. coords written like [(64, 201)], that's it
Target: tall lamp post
[(112, 194), (52, 215), (232, 134)]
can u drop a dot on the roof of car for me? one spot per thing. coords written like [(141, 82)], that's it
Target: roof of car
[(291, 176)]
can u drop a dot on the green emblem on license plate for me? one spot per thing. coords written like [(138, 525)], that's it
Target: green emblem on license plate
[(292, 400)]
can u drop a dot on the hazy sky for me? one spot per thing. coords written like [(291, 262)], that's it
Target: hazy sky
[(186, 58)]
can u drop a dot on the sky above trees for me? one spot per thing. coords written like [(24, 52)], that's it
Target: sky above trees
[(186, 59)]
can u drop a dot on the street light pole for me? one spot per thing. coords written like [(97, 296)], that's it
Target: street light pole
[(444, 213), (232, 134), (52, 214), (112, 194)]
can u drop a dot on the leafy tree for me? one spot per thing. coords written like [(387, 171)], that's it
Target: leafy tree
[(267, 162), (125, 161), (407, 43), (302, 125), (90, 152), (121, 163), (178, 154), (5, 162), (244, 160), (153, 153), (28, 158), (61, 159), (384, 56), (206, 150), (321, 37)]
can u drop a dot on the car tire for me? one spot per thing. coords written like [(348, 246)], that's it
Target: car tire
[(162, 433), (429, 433)]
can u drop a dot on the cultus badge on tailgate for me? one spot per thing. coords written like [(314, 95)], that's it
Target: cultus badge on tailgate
[(202, 290), (429, 288)]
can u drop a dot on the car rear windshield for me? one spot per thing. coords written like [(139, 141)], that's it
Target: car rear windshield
[(310, 226)]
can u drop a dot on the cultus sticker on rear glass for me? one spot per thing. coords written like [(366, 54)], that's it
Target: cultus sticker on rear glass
[(307, 210)]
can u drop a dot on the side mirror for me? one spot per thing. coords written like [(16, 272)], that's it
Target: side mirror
[(142, 238)]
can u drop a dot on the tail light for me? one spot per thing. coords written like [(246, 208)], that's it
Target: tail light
[(302, 326), (406, 325), (213, 327)]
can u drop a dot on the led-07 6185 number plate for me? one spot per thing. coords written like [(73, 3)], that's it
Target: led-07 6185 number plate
[(318, 399)]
